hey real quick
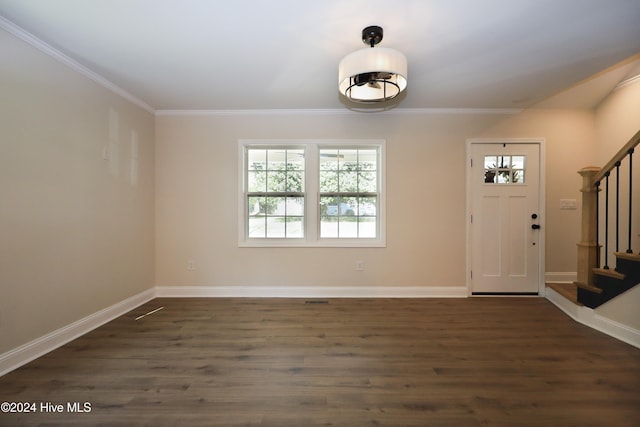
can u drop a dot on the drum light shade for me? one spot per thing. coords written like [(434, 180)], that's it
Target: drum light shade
[(372, 74)]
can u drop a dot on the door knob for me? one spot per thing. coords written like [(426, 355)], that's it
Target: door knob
[(535, 226)]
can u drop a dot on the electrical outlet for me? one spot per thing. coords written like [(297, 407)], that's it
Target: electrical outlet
[(191, 265), (359, 265)]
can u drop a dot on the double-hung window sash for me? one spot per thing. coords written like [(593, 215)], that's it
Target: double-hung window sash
[(276, 192)]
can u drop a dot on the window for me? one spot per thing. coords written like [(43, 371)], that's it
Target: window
[(311, 193), (275, 193), (504, 169), (348, 192)]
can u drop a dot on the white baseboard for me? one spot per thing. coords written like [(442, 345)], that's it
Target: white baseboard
[(589, 317), (313, 291), (24, 354), (560, 277)]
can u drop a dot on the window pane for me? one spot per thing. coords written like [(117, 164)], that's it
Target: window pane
[(256, 205), (367, 227), (276, 159), (328, 182), (257, 227), (276, 206), (517, 162), (348, 160), (348, 227), (275, 226), (349, 206), (295, 160), (328, 227), (295, 182), (295, 206), (329, 160), (348, 182), (367, 206), (490, 162), (367, 159), (295, 227), (518, 176), (504, 161), (329, 206), (490, 176), (367, 182), (276, 181), (257, 181), (257, 159)]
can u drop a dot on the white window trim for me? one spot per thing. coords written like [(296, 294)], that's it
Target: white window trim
[(312, 195)]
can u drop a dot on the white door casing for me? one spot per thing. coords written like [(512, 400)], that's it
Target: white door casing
[(505, 205)]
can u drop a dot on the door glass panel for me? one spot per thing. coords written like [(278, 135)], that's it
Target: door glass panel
[(504, 169)]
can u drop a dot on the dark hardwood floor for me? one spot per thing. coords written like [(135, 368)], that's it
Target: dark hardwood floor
[(348, 362)]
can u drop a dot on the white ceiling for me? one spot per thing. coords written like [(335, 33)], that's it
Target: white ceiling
[(284, 54)]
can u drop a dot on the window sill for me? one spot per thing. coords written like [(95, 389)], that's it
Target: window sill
[(301, 243)]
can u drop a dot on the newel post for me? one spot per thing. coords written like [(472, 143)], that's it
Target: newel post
[(588, 248)]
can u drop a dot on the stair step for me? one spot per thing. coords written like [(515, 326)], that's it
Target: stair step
[(627, 256), (567, 290), (588, 287), (609, 273)]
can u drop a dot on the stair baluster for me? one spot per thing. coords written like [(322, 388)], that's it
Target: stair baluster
[(617, 207), (606, 222), (629, 250)]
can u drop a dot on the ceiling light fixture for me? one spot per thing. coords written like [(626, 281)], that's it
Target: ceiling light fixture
[(372, 75)]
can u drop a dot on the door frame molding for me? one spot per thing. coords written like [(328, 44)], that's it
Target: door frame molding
[(542, 200)]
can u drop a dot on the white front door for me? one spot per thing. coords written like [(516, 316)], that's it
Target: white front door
[(505, 218)]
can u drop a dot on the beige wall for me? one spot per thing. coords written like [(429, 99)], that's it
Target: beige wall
[(76, 235), (196, 172), (617, 120)]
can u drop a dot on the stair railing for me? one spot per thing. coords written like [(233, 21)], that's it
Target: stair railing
[(589, 248)]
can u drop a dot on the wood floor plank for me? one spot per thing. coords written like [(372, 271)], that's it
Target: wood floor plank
[(350, 362)]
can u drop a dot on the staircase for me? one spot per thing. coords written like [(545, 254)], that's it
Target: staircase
[(605, 226), (608, 284)]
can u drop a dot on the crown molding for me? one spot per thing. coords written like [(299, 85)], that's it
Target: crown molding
[(343, 111), (29, 38), (627, 82)]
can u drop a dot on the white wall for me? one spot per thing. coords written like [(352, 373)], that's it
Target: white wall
[(196, 190), (76, 233)]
